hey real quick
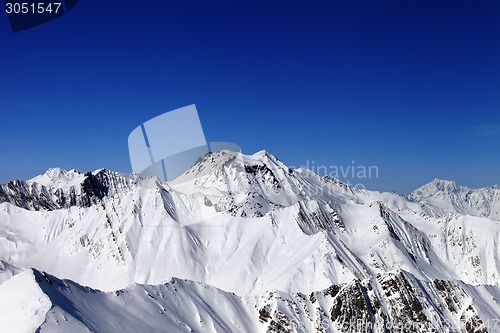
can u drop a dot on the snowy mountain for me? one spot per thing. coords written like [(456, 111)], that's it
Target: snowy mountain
[(245, 244), (450, 197)]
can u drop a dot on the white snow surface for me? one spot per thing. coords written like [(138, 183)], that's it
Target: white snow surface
[(23, 305)]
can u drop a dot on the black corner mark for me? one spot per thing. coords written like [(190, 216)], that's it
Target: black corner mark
[(26, 14)]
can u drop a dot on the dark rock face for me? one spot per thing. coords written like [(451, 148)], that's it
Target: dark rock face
[(29, 196), (388, 303), (94, 187)]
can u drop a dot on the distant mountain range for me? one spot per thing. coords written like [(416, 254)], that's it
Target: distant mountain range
[(450, 197), (243, 243)]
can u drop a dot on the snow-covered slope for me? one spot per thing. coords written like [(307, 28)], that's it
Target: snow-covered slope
[(249, 225), (22, 304), (388, 302)]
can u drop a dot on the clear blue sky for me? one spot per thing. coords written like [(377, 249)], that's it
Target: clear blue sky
[(412, 87)]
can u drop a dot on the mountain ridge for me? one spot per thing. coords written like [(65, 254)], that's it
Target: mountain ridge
[(453, 198), (248, 225)]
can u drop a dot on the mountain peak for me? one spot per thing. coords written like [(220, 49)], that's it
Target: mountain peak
[(215, 163), (447, 196), (443, 184), (438, 185), (57, 177), (55, 171)]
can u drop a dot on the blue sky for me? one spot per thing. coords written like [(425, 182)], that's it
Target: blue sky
[(411, 87)]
